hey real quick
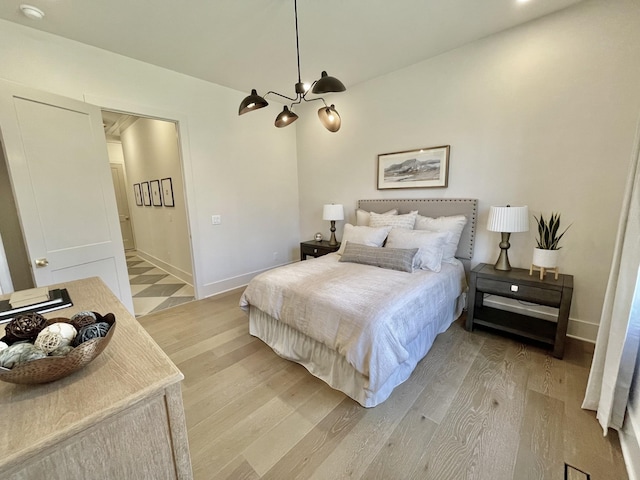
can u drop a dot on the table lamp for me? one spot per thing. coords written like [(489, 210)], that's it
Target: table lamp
[(507, 220), (333, 212)]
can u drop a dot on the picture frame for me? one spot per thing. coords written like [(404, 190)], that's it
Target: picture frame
[(419, 168), (146, 194), (167, 192), (137, 192), (156, 196)]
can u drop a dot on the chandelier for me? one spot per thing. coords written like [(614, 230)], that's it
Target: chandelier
[(327, 114)]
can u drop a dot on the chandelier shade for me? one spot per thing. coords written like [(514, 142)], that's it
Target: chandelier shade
[(325, 84), (328, 84), (285, 117), (330, 118), (252, 102)]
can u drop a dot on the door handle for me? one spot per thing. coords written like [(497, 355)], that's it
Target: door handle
[(41, 262)]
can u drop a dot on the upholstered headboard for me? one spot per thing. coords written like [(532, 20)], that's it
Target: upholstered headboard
[(435, 207)]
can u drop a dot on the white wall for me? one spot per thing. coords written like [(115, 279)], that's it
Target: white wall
[(541, 115), (150, 149), (239, 167)]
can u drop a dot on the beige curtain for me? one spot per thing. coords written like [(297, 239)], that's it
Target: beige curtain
[(618, 339)]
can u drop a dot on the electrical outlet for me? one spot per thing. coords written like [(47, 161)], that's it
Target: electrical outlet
[(216, 219)]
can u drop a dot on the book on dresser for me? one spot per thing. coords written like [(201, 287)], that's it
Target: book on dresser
[(54, 299)]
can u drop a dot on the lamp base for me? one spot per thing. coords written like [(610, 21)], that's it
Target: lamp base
[(332, 241), (503, 260)]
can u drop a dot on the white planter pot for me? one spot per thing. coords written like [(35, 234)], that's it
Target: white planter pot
[(545, 258)]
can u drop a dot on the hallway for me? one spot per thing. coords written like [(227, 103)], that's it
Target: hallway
[(152, 288)]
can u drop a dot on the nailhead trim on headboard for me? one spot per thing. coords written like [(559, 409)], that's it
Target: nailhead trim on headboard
[(435, 207)]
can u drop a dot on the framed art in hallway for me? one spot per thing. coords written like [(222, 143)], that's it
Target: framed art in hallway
[(156, 197), (146, 194), (420, 168), (167, 192), (137, 191)]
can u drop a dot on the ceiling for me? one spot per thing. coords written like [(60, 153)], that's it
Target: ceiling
[(244, 44)]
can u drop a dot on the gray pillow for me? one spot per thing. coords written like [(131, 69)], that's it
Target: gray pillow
[(391, 258)]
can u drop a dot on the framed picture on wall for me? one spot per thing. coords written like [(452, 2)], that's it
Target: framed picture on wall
[(137, 192), (167, 192), (146, 194), (156, 197), (420, 168)]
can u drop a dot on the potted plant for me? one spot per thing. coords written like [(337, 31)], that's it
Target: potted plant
[(546, 254)]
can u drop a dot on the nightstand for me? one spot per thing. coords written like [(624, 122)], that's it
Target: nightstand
[(316, 249), (519, 285)]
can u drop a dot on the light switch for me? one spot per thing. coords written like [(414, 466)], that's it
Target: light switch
[(216, 219)]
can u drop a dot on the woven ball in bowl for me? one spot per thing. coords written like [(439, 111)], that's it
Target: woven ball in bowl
[(25, 327), (53, 368)]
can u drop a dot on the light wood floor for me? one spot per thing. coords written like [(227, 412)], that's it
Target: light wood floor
[(479, 406)]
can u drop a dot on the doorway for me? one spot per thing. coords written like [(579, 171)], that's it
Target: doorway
[(147, 173)]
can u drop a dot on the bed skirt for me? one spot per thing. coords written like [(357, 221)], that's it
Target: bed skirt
[(332, 368)]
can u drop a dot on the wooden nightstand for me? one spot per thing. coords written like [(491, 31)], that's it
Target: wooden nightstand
[(518, 284), (316, 249)]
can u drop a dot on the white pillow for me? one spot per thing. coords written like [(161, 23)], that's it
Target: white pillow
[(430, 246), (454, 224), (362, 216), (374, 237), (406, 221)]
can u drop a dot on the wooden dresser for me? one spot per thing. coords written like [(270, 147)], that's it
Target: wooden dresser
[(121, 417)]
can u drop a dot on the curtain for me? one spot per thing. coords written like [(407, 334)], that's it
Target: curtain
[(618, 340)]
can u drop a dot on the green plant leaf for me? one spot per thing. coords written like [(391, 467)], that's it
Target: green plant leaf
[(548, 236)]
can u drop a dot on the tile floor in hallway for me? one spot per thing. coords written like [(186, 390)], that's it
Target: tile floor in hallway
[(152, 288)]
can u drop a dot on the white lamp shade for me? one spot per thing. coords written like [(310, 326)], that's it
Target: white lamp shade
[(333, 212), (508, 219)]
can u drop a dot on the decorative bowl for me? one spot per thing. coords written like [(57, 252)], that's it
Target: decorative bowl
[(49, 369)]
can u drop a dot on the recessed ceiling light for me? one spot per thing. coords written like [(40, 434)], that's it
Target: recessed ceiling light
[(29, 11)]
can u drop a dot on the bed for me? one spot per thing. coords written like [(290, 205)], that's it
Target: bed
[(360, 328)]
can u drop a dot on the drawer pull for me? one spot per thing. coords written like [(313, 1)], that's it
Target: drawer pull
[(315, 250), (514, 288)]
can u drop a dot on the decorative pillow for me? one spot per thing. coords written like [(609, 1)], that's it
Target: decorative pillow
[(454, 224), (391, 258), (374, 237), (362, 216), (430, 246), (406, 221)]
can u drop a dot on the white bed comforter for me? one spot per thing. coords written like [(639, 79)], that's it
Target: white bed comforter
[(367, 314)]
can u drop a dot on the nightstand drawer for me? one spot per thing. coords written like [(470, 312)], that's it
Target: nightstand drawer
[(521, 292), (316, 249)]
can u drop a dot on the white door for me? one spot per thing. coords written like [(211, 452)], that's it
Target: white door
[(59, 169), (120, 187)]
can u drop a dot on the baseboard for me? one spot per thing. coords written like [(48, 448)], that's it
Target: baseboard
[(579, 329), (175, 271), (629, 437), (222, 286)]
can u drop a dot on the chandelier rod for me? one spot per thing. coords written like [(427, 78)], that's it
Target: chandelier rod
[(295, 9)]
